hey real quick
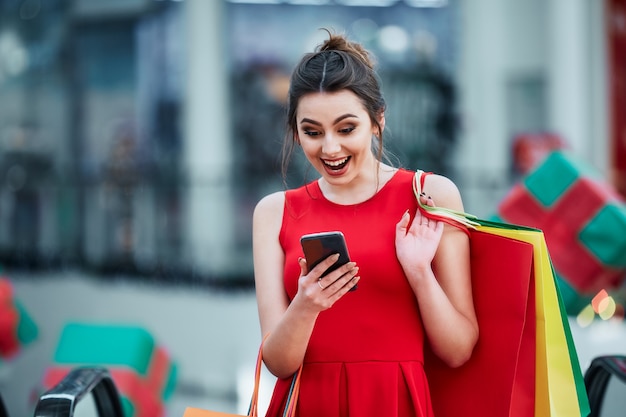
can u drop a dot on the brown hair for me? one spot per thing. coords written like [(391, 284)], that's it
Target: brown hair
[(335, 65)]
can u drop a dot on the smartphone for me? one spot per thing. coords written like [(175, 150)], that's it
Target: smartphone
[(319, 246)]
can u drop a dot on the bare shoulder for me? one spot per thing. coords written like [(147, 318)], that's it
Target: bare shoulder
[(270, 208), (443, 191)]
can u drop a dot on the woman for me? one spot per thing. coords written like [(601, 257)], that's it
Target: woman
[(362, 351)]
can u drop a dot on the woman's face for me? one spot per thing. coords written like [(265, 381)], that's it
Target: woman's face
[(335, 132)]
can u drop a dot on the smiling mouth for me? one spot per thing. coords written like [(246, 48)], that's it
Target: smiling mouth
[(336, 164)]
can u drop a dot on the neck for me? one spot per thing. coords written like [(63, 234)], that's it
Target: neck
[(362, 188)]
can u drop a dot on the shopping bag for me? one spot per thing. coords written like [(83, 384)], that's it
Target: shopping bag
[(524, 363), (499, 380), (559, 384), (253, 411)]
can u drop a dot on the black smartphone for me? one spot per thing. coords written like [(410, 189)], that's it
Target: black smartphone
[(319, 246)]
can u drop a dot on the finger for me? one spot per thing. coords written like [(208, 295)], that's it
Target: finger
[(345, 279), (324, 265), (401, 226), (434, 224), (420, 218), (417, 221), (349, 284), (339, 274), (304, 269), (353, 282)]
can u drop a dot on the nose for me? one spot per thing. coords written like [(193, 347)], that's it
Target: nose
[(331, 145)]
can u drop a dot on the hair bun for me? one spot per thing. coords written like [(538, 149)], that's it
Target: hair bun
[(339, 42)]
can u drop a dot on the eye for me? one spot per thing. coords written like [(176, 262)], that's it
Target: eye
[(311, 132), (347, 130)]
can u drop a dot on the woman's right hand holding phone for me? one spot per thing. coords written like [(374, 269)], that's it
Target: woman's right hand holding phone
[(320, 293)]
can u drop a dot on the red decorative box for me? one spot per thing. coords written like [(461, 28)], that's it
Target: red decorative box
[(582, 217)]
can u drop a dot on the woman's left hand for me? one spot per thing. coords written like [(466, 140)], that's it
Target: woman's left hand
[(416, 244)]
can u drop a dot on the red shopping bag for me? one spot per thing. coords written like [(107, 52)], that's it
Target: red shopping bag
[(499, 379)]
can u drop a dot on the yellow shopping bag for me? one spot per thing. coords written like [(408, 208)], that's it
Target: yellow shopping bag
[(558, 378)]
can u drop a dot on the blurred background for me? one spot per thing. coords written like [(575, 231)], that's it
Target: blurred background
[(136, 137)]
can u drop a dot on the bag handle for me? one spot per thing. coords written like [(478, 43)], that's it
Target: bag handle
[(459, 219), (294, 389)]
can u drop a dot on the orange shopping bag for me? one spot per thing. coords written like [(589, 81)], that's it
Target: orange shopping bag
[(290, 407)]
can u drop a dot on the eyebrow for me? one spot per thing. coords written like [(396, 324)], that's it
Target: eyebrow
[(337, 120)]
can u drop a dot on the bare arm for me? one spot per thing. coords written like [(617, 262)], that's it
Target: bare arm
[(289, 324), (435, 258)]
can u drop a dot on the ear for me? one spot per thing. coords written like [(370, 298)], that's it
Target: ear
[(381, 122)]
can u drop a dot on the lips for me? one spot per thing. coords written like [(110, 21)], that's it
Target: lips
[(336, 167), (336, 164)]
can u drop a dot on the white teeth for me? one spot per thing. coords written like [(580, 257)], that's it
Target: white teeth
[(336, 163)]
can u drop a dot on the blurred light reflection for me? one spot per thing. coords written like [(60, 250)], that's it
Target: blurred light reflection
[(365, 29), (607, 308), (604, 306), (426, 3), (394, 39), (597, 301), (356, 3), (586, 316), (13, 55), (256, 1), (369, 3)]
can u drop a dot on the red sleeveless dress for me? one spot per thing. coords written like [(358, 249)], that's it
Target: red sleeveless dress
[(366, 354)]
